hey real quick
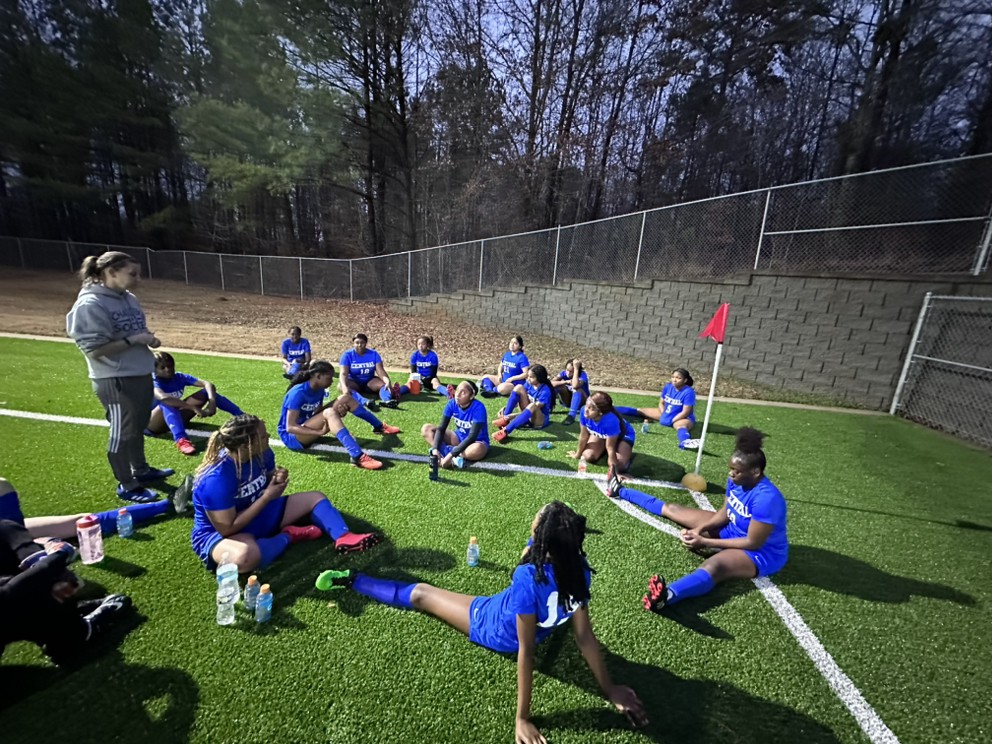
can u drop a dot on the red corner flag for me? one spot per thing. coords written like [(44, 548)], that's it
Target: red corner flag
[(717, 327)]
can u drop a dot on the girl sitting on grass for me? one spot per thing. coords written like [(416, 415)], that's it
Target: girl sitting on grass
[(534, 398), (295, 353), (470, 439), (550, 586), (572, 387), (676, 406), (603, 429), (512, 370)]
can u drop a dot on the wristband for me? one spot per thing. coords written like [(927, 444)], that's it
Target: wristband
[(126, 340)]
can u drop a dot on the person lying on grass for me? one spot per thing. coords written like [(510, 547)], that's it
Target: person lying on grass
[(550, 586), (749, 530)]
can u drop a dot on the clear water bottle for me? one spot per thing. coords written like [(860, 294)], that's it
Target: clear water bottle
[(251, 593), (459, 462), (125, 523), (583, 466), (645, 427), (227, 572), (544, 444), (227, 596), (263, 605), (472, 555), (90, 539)]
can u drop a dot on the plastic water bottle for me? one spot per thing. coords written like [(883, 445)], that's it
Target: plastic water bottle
[(227, 596), (645, 427), (583, 466), (90, 539), (544, 444), (459, 462), (251, 593), (472, 556), (263, 605), (125, 523), (227, 572)]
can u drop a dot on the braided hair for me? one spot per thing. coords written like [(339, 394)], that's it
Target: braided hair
[(234, 435), (319, 367), (558, 537), (748, 450), (604, 404)]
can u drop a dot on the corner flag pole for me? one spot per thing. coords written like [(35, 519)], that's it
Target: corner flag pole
[(717, 330)]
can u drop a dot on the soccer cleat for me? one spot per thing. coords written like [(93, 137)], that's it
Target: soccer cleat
[(395, 391), (387, 429), (613, 484), (365, 462), (390, 404), (182, 496), (501, 422), (302, 534), (690, 444), (351, 542), (106, 612), (451, 392), (569, 420), (500, 435), (371, 405), (139, 495), (185, 446), (153, 474), (331, 580), (488, 393), (657, 595)]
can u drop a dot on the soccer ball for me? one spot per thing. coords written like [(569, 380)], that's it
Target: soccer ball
[(694, 482)]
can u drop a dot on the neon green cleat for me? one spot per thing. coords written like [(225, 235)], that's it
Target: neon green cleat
[(330, 580)]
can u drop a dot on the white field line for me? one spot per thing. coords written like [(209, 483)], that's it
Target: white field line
[(866, 716)]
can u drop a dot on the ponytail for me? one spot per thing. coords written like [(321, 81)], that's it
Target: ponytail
[(319, 367), (92, 268)]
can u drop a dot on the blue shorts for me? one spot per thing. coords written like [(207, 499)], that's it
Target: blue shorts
[(266, 524), (669, 421), (765, 561), (10, 508), (293, 443)]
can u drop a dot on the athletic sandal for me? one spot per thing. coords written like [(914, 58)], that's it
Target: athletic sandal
[(657, 595), (613, 484), (501, 422), (302, 534), (451, 392), (153, 474), (183, 495), (351, 542), (365, 462), (501, 435), (139, 495), (387, 429), (185, 446), (331, 580)]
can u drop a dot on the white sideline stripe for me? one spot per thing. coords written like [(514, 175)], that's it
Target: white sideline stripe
[(498, 466), (866, 716)]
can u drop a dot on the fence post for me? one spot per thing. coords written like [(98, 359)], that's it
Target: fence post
[(640, 242), (482, 258), (261, 279), (409, 274), (20, 252), (909, 352), (983, 246), (68, 253), (351, 278), (148, 260), (220, 262), (554, 272), (301, 277), (761, 235), (185, 268)]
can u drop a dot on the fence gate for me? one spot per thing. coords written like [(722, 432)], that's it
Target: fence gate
[(946, 381)]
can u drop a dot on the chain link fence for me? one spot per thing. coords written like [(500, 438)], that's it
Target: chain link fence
[(930, 218), (946, 381)]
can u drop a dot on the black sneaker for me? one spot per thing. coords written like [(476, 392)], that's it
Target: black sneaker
[(569, 420), (153, 474), (390, 404), (613, 484), (372, 405), (139, 495), (109, 609)]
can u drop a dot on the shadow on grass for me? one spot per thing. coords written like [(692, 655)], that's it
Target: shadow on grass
[(960, 523), (680, 709), (842, 574)]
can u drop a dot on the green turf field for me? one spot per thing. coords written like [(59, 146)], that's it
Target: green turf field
[(890, 525)]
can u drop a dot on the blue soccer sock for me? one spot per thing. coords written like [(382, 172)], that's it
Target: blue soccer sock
[(329, 519), (271, 548), (519, 420), (684, 436), (140, 513), (359, 398), (643, 500), (348, 442), (368, 417), (696, 584), (626, 411), (487, 385), (511, 403), (404, 389), (228, 406), (393, 593), (174, 420), (385, 394), (573, 409)]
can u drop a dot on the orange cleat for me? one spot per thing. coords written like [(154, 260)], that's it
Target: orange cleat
[(365, 462), (185, 446), (387, 429), (501, 422), (501, 435)]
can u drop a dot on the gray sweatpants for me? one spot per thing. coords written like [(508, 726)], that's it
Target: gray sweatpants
[(128, 402)]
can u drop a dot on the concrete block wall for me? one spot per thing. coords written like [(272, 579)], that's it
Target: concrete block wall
[(844, 338)]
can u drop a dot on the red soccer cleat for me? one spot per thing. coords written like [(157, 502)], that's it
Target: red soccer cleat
[(365, 462), (657, 595), (501, 422), (387, 429), (500, 435), (185, 446), (302, 534), (451, 392), (351, 542)]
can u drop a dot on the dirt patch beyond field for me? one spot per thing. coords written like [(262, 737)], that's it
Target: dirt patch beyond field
[(204, 319)]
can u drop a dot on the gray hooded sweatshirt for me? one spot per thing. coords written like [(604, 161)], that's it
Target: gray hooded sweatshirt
[(101, 315)]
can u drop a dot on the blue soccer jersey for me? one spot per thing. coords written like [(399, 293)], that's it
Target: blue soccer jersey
[(462, 419), (361, 369), (583, 381), (512, 365), (674, 400), (302, 398), (426, 364), (175, 386), (224, 486), (543, 395), (493, 620), (608, 426), (295, 352), (764, 503)]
